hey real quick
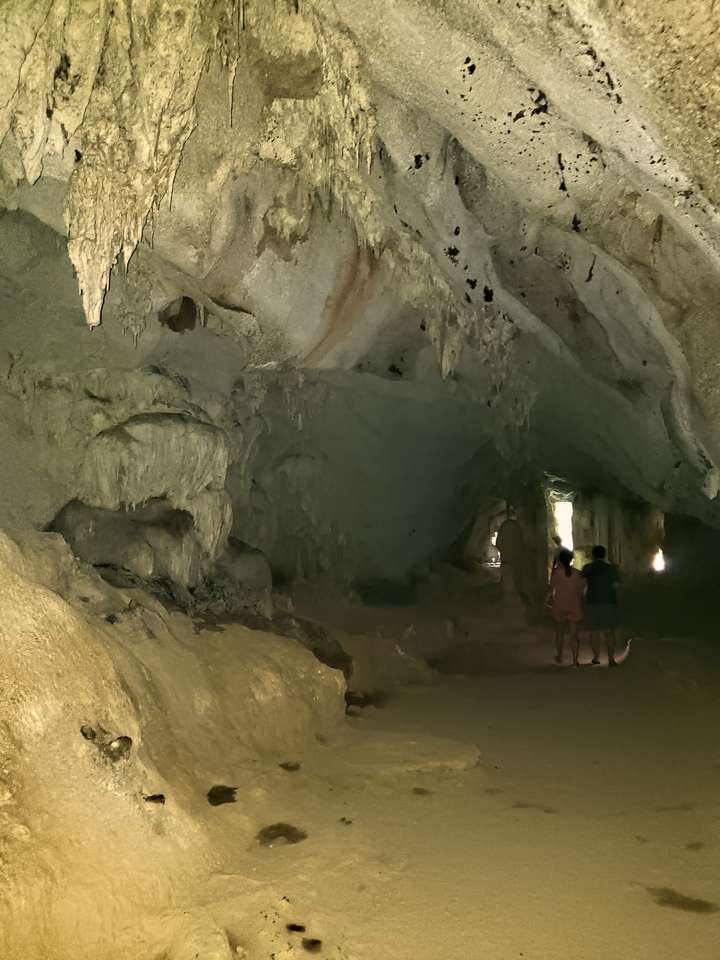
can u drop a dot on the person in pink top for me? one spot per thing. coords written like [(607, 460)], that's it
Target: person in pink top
[(565, 600)]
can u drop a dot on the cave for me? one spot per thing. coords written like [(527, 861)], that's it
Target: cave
[(359, 408)]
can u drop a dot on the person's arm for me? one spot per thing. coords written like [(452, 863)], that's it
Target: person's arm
[(551, 589)]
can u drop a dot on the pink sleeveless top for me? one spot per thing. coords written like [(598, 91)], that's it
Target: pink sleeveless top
[(568, 593)]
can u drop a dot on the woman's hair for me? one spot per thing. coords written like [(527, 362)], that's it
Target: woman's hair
[(565, 559)]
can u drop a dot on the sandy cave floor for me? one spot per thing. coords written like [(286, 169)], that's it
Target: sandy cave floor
[(522, 812)]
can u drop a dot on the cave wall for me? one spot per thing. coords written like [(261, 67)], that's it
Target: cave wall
[(358, 474), (692, 550), (362, 476), (631, 531)]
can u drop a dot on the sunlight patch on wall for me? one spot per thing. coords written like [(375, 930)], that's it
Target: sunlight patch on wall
[(563, 516)]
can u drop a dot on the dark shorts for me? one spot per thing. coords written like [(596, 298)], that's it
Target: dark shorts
[(601, 616)]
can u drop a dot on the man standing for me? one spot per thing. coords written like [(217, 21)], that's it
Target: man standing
[(601, 607)]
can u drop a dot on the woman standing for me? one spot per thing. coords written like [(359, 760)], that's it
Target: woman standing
[(565, 599)]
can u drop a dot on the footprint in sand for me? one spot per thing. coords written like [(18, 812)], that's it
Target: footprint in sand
[(522, 805), (279, 833), (667, 897), (311, 944), (220, 794)]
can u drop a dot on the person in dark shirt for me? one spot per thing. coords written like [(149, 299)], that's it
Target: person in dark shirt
[(601, 606)]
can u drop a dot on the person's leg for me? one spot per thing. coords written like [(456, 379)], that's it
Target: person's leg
[(574, 642), (559, 641), (610, 640), (595, 642)]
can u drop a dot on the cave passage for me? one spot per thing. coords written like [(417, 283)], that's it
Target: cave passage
[(359, 480)]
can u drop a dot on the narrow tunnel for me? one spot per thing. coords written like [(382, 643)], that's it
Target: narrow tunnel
[(359, 407)]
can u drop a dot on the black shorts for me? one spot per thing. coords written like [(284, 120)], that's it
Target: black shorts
[(601, 616)]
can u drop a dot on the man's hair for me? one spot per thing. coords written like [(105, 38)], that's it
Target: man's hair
[(599, 552)]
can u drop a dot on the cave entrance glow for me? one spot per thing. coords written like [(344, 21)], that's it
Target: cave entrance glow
[(563, 517)]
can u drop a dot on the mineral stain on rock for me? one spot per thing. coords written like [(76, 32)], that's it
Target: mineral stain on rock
[(220, 794), (291, 766), (561, 165), (117, 749), (279, 833)]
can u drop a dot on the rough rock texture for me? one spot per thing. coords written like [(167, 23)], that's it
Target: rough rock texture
[(490, 229), (83, 848)]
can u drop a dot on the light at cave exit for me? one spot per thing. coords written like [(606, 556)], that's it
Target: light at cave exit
[(658, 562), (563, 515)]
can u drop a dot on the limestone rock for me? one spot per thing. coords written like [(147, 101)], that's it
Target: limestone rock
[(245, 566), (195, 706)]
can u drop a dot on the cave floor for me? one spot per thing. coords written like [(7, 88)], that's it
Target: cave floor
[(526, 811)]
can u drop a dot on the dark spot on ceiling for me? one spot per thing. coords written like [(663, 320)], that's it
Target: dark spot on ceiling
[(180, 316)]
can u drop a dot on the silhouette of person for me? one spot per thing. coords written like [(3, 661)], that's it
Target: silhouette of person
[(565, 599), (601, 606)]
